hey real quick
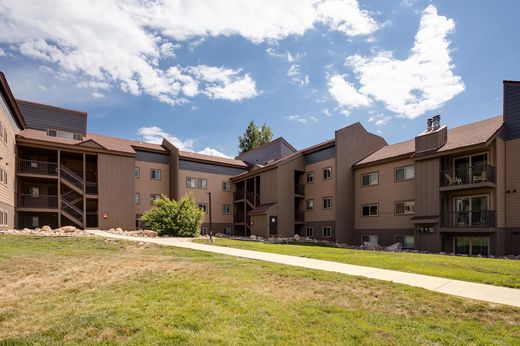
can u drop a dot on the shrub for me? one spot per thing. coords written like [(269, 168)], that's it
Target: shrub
[(181, 218)]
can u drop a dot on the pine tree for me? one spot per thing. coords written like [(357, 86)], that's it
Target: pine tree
[(254, 137)]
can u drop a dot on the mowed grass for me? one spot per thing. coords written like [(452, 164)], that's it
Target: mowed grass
[(492, 271), (97, 291)]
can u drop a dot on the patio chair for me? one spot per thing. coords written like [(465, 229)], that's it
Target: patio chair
[(480, 178), (453, 180)]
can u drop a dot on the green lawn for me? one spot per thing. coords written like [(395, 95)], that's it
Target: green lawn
[(97, 291), (484, 270)]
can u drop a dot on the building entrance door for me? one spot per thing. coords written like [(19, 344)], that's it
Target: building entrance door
[(273, 225)]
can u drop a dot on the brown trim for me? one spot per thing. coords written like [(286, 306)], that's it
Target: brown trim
[(43, 105), (69, 147), (11, 102), (403, 167), (369, 173), (319, 146)]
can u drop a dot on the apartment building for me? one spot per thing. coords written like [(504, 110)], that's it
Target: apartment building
[(451, 190)]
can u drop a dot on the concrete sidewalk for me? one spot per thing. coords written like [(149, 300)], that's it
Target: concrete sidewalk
[(489, 293)]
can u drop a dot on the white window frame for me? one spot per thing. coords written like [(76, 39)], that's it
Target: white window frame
[(404, 208), (326, 169), (311, 175), (311, 200), (329, 198), (153, 174), (311, 234), (371, 237), (329, 232), (369, 182), (405, 168), (369, 205)]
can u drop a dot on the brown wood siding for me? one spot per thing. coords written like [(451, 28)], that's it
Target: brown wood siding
[(501, 182), (431, 141), (319, 189), (268, 187), (218, 195), (512, 183), (385, 194), (427, 201), (286, 195), (353, 143), (116, 191), (260, 225), (147, 186)]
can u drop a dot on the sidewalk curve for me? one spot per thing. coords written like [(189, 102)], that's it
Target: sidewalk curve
[(472, 290)]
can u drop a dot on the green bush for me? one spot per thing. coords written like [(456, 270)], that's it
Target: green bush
[(181, 218)]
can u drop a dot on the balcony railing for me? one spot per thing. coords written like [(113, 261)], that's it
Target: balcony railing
[(38, 201), (239, 195), (37, 167), (468, 175), (299, 189), (299, 216), (239, 218), (91, 188), (469, 219)]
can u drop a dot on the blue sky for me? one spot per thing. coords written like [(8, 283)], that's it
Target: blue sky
[(199, 71)]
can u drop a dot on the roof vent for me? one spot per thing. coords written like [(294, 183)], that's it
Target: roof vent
[(429, 125)]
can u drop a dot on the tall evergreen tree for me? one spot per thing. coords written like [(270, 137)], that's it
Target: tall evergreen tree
[(254, 137)]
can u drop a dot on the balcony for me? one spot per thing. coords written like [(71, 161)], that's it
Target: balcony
[(38, 201), (299, 189), (91, 188), (461, 177), (239, 218), (469, 219), (37, 167), (239, 195), (299, 216)]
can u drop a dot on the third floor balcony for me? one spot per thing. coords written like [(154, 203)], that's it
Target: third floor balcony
[(463, 177)]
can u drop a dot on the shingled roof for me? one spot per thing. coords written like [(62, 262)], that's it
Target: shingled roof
[(459, 137)]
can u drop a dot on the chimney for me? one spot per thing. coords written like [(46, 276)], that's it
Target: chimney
[(429, 125), (511, 113), (436, 122)]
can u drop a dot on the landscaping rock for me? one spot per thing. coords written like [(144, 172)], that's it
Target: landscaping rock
[(67, 229), (119, 229), (46, 229), (296, 237), (252, 237), (397, 247), (220, 235), (150, 233), (371, 246)]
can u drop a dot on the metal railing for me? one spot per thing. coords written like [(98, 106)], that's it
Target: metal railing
[(253, 197), (72, 210), (37, 167), (38, 201), (468, 175), (299, 189), (71, 177), (469, 219), (91, 188), (299, 216), (239, 195)]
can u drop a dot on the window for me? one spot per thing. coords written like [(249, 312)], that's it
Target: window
[(204, 230), (137, 172), (369, 239), (5, 176), (309, 177), (137, 198), (408, 241), (203, 184), (1, 175), (405, 208), (64, 134), (191, 183), (370, 210), (155, 174), (309, 204), (227, 230), (154, 197), (327, 202), (309, 231), (5, 217), (35, 221), (404, 173), (204, 207), (5, 135), (226, 186), (1, 217), (327, 231), (327, 173), (226, 209), (370, 179)]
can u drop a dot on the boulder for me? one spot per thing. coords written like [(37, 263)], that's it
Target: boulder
[(220, 235), (150, 233), (296, 237), (371, 245), (397, 247), (252, 237), (119, 229), (68, 229), (46, 229)]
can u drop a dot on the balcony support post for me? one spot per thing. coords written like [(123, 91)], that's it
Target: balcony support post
[(58, 167), (84, 192)]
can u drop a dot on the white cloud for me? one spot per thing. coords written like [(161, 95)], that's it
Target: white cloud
[(380, 119), (346, 94), (97, 95), (130, 44), (327, 113), (226, 84), (422, 82), (295, 75), (155, 135), (2, 52), (301, 119)]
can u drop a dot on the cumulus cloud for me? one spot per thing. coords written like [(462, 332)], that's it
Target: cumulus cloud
[(346, 94), (422, 82), (130, 44), (226, 84), (155, 134), (2, 52), (380, 119), (302, 119)]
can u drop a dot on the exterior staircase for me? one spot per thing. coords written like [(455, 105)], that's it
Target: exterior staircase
[(70, 198)]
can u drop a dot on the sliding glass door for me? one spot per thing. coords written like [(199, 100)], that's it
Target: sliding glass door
[(472, 245)]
